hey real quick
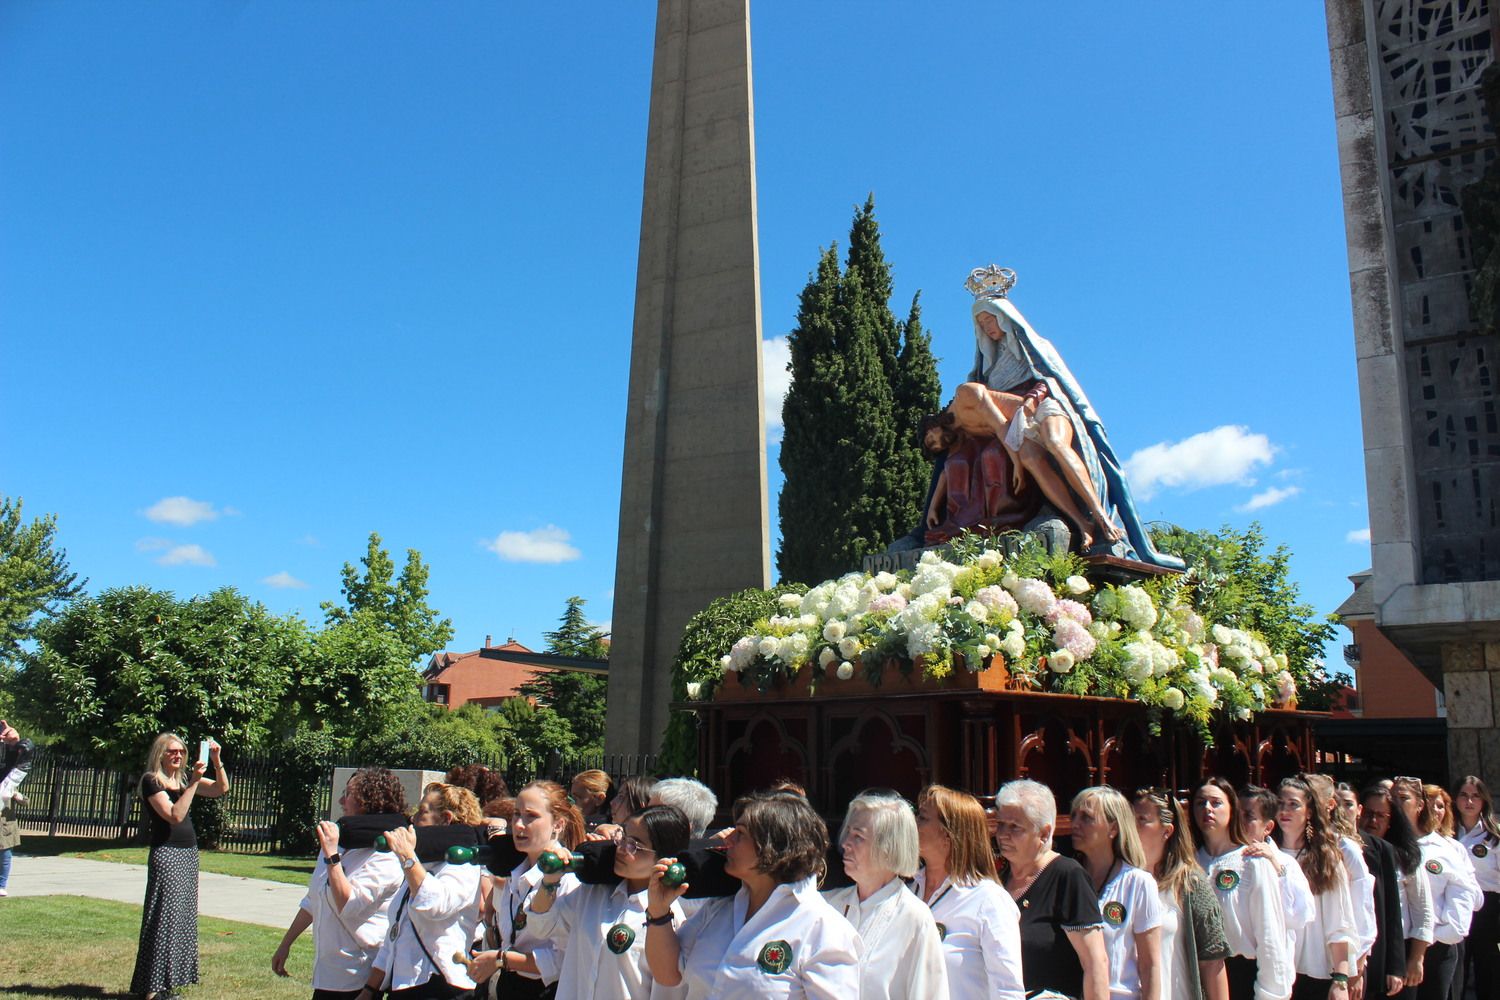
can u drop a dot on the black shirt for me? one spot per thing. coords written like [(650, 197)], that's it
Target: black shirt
[(1061, 899), (162, 832)]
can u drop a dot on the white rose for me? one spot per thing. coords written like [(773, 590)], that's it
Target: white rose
[(827, 656), (1076, 585), (1221, 635), (904, 590), (848, 648), (694, 689), (885, 581), (834, 631), (991, 639), (1173, 699), (983, 650), (1061, 661), (845, 671), (727, 662), (808, 620), (791, 601), (976, 611), (1010, 581), (1013, 645), (988, 559), (768, 646)]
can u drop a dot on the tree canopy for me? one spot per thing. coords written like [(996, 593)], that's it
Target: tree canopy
[(398, 604), (34, 576)]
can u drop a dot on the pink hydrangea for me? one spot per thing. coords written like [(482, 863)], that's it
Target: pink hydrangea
[(1035, 596), (1073, 637), (997, 599), (889, 602), (1070, 609)]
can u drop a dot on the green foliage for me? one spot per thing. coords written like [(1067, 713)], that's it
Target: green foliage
[(430, 736), (399, 604), (210, 821), (534, 731), (113, 671), (707, 635), (1233, 580), (34, 575), (576, 698), (854, 478), (356, 678), (304, 759)]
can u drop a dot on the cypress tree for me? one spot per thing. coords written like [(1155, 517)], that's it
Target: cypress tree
[(854, 475)]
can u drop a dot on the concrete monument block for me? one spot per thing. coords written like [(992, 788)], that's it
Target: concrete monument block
[(412, 783), (1469, 699), (694, 523), (1463, 656)]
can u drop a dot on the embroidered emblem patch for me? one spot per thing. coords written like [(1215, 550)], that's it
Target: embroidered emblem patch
[(1227, 880), (1434, 867), (942, 931), (620, 938), (775, 957), (1481, 851), (520, 922), (1114, 911)]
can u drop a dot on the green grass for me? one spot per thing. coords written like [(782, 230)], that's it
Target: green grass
[(68, 946), (275, 867)]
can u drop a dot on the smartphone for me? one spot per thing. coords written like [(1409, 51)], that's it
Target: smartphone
[(203, 752)]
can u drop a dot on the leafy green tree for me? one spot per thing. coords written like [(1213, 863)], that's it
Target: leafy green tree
[(534, 731), (34, 575), (397, 603), (855, 478), (1236, 582), (356, 679), (113, 671), (578, 698)]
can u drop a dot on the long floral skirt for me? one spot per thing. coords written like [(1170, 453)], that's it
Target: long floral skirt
[(168, 952)]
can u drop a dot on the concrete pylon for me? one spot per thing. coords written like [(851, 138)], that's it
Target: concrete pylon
[(693, 518)]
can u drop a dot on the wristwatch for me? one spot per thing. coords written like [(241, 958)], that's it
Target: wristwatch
[(334, 859), (409, 864)]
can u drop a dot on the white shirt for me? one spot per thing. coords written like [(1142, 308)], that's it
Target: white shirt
[(1175, 982), (980, 928), (903, 951), (438, 919), (725, 956), (1332, 923), (1417, 916), (1130, 906), (601, 932), (1484, 855), (345, 940), (1296, 898), (1254, 920), (1455, 890), (1362, 894), (513, 920)]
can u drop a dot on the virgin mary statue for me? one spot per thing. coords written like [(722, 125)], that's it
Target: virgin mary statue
[(1021, 392)]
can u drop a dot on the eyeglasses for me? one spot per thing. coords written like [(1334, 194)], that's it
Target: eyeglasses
[(633, 847), (176, 753)]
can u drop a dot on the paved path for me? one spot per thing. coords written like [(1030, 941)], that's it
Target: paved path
[(252, 900)]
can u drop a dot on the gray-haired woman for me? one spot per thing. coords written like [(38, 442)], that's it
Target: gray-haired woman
[(903, 949), (1062, 929)]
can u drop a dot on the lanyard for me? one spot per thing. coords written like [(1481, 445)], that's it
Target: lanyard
[(518, 914)]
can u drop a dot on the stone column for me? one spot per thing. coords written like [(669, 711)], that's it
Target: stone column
[(693, 519), (1471, 691)]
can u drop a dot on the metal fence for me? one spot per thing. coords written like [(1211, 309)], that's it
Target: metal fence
[(71, 797)]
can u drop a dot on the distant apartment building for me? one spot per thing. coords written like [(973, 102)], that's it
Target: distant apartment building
[(1389, 685), (489, 675)]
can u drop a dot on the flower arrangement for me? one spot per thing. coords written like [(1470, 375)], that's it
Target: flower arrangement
[(1035, 613)]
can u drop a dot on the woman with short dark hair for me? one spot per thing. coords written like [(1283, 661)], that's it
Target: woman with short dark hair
[(777, 936)]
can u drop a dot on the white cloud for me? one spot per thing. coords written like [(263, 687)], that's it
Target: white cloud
[(284, 581), (549, 544), (1269, 498), (1226, 454), (182, 511), (187, 555), (152, 544), (775, 357), (1359, 537)]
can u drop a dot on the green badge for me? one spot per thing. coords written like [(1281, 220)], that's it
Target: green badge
[(620, 938), (942, 931), (1481, 851), (1227, 881), (1114, 912), (1434, 867), (775, 957)]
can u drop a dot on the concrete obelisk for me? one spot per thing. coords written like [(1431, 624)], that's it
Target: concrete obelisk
[(693, 518)]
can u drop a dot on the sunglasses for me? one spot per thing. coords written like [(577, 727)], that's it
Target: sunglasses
[(632, 847)]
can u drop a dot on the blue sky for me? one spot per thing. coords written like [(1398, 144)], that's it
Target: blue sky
[(276, 275)]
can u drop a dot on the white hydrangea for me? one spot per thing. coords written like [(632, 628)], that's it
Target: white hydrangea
[(1222, 635), (991, 640), (743, 652), (1192, 626), (988, 559), (885, 581), (793, 648), (1135, 607), (923, 639), (977, 611), (1174, 699), (727, 662), (904, 590), (791, 601), (1010, 580), (1034, 596)]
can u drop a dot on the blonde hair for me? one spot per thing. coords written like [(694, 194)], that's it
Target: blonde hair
[(457, 800), (1445, 826), (1114, 808), (962, 817), (154, 758), (1179, 864)]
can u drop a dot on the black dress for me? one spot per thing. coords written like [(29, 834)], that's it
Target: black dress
[(168, 953), (1060, 900)]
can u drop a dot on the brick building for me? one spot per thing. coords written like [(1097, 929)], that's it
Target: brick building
[(489, 675)]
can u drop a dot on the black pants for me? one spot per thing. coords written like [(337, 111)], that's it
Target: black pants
[(1438, 973), (1309, 988), (1482, 948), (517, 987), (335, 995), (436, 988), (1240, 972)]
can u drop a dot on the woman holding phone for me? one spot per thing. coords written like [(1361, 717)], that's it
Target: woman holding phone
[(168, 953)]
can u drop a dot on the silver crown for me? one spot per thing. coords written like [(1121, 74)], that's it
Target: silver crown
[(990, 282)]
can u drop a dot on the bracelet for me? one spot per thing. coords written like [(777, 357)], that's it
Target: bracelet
[(661, 921), (504, 960), (1339, 978), (550, 888)]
